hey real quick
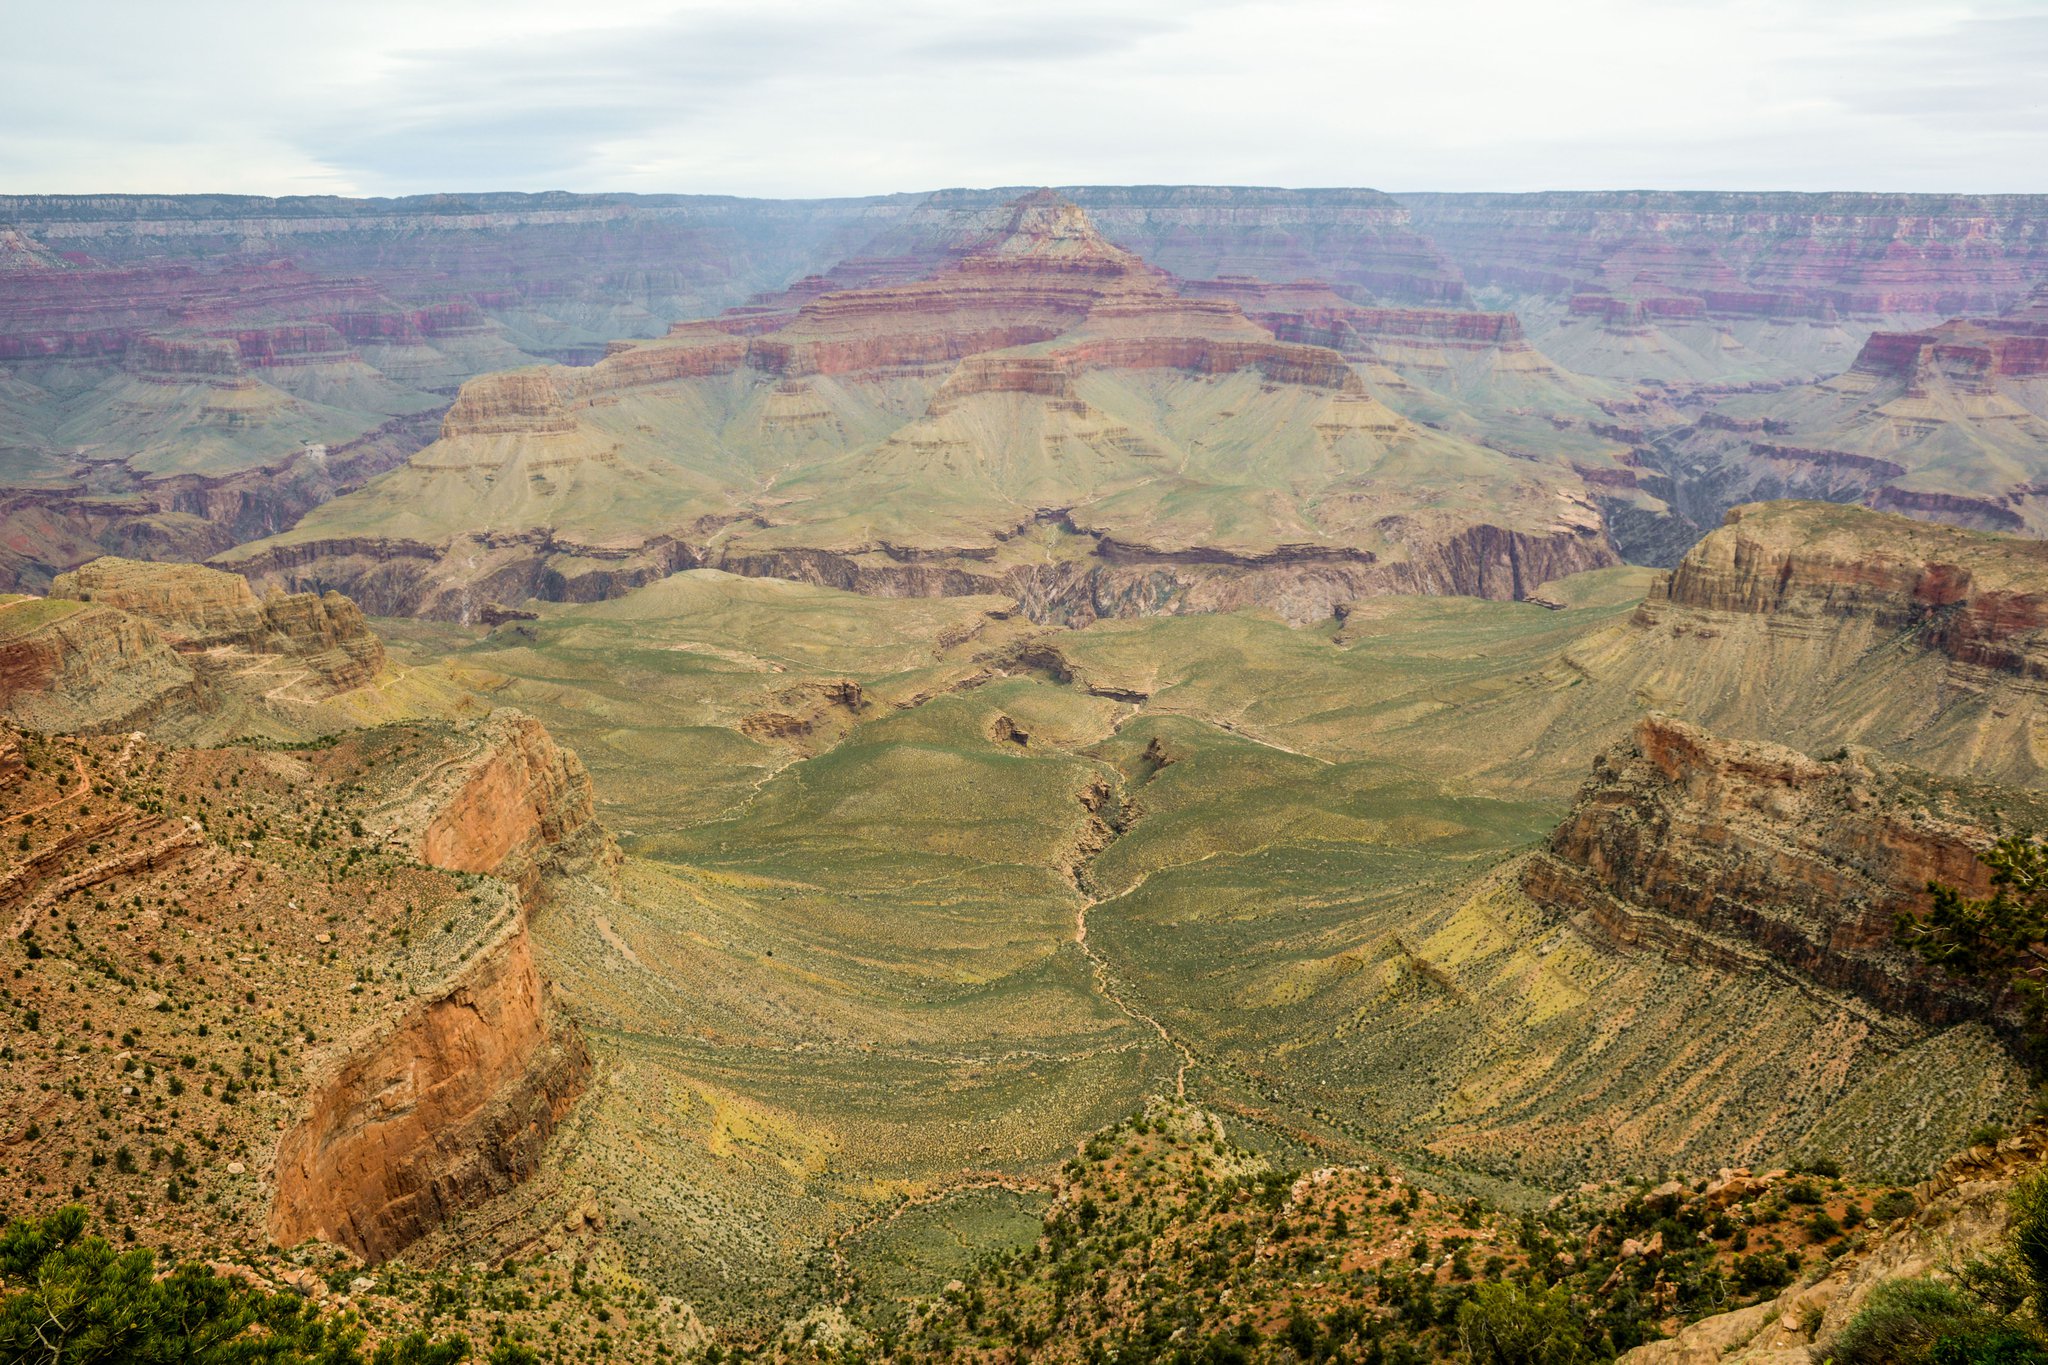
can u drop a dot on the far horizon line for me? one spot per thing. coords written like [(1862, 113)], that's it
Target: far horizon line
[(1020, 187)]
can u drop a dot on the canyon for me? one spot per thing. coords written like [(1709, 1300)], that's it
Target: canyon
[(338, 330), (1045, 416), (757, 757)]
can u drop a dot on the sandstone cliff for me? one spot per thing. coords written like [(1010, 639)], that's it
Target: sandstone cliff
[(198, 610), (71, 666), (455, 1102), (1745, 854), (1980, 601), (452, 1106)]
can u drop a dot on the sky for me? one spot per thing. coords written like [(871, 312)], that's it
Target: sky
[(780, 98)]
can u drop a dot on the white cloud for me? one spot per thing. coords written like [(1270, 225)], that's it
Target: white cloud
[(836, 97)]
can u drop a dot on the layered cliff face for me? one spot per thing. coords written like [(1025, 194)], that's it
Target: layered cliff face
[(1784, 255), (1825, 625), (68, 666), (199, 610), (1043, 410), (455, 1101), (1809, 624), (121, 644), (204, 342), (1948, 423), (1754, 856), (257, 926), (453, 1106), (520, 809), (1980, 601), (1702, 290)]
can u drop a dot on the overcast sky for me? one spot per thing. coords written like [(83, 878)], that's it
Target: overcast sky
[(777, 97)]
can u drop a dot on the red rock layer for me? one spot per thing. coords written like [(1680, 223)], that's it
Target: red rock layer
[(1046, 277), (1742, 855), (524, 802), (1968, 354), (291, 344), (1982, 600), (456, 1103), (1310, 312), (454, 1106)]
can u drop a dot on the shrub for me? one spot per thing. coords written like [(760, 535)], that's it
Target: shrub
[(1920, 1322), (87, 1304), (1506, 1324)]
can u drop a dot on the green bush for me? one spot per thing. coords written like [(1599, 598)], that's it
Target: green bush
[(74, 1299), (1920, 1322), (1505, 1323)]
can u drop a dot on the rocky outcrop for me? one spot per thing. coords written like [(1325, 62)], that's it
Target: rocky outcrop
[(121, 644), (1981, 600), (1750, 855), (1301, 583), (200, 610), (181, 358), (71, 667), (455, 1103), (522, 401), (1962, 1212), (520, 809)]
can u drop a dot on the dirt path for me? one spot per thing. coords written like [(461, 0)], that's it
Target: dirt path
[(84, 788), (1104, 982)]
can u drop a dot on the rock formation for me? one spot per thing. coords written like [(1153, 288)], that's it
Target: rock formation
[(67, 666), (199, 610), (1947, 423), (454, 1105), (1979, 601), (121, 644), (1756, 857), (1780, 255), (455, 1102), (1962, 1212), (928, 435)]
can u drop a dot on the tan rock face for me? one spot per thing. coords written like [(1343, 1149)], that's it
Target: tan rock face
[(1979, 599), (524, 400), (84, 668), (1735, 854), (199, 609)]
